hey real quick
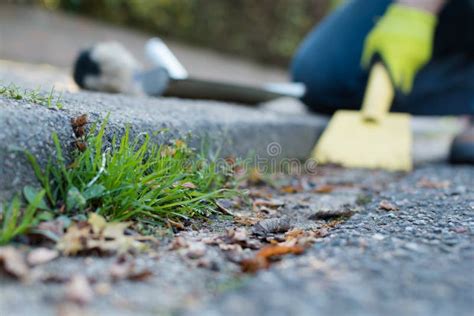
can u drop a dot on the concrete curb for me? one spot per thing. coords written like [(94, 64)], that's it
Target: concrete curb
[(241, 131)]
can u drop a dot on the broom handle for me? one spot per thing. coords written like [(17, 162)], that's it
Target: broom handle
[(379, 94)]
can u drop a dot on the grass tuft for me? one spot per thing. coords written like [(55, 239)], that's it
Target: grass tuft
[(16, 220), (49, 100), (133, 179)]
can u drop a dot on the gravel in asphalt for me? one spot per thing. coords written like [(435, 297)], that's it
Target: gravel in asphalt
[(416, 259)]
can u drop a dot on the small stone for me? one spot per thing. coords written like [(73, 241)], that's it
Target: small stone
[(412, 246), (378, 236)]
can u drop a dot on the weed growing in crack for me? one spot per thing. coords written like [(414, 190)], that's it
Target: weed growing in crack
[(132, 179), (49, 100)]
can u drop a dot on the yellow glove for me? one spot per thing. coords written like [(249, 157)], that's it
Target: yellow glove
[(404, 39)]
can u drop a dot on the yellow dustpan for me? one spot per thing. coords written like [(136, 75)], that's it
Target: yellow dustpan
[(372, 137)]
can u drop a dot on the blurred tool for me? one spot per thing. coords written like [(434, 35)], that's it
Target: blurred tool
[(109, 67), (369, 138)]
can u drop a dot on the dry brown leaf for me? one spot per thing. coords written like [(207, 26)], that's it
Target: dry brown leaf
[(260, 194), (176, 225), (387, 206), (78, 121), (74, 240), (98, 235), (78, 124), (13, 263), (41, 255), (291, 189), (278, 250), (325, 188), (79, 291), (97, 223), (263, 258), (267, 203), (245, 220), (123, 270), (303, 238), (240, 236), (294, 234), (178, 243)]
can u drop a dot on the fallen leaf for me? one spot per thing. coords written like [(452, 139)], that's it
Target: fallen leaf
[(127, 270), (271, 226), (272, 251), (245, 220), (41, 255), (387, 206), (13, 263), (322, 232), (302, 237), (267, 203), (266, 212), (325, 188), (291, 189), (178, 243), (294, 233), (74, 240), (98, 235), (97, 223), (79, 291), (264, 257), (78, 121), (261, 193), (240, 236), (175, 225)]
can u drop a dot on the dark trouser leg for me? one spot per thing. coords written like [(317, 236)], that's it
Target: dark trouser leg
[(328, 62)]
